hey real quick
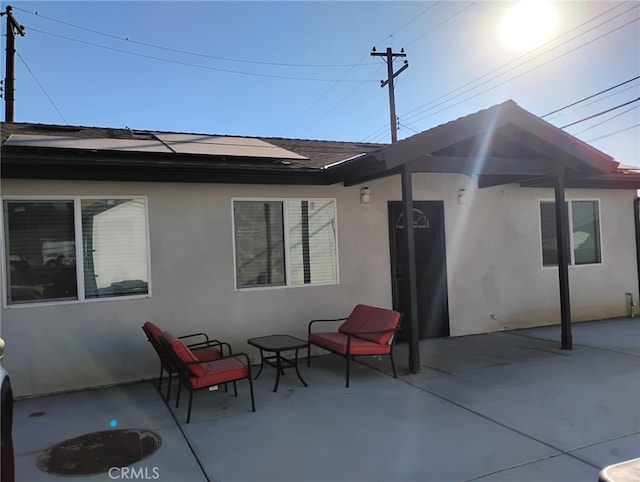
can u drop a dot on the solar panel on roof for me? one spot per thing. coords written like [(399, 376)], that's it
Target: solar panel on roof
[(225, 146), (88, 143)]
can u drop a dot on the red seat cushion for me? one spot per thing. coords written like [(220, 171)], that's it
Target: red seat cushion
[(184, 355), (356, 319), (337, 342), (220, 371), (380, 319)]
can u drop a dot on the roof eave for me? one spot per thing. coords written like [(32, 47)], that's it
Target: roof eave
[(105, 166)]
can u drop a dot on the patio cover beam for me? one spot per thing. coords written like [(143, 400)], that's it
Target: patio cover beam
[(483, 166), (517, 169), (499, 180), (610, 181)]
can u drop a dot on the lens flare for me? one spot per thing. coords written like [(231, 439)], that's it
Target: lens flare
[(528, 24)]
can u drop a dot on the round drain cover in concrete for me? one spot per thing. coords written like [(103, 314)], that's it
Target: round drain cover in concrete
[(95, 453)]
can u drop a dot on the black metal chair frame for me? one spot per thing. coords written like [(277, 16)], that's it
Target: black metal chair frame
[(348, 356), (166, 363), (184, 375)]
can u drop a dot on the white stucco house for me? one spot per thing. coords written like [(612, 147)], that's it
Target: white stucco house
[(104, 229)]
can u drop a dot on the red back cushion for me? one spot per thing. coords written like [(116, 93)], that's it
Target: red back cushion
[(154, 331), (381, 319), (184, 355), (356, 319)]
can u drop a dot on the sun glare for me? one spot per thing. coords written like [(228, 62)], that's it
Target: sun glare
[(528, 24)]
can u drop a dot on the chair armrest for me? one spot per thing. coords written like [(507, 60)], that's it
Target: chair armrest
[(206, 342), (219, 343), (323, 321), (192, 335), (349, 335), (206, 360)]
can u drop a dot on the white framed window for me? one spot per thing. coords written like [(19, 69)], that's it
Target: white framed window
[(75, 248), (585, 236), (284, 242)]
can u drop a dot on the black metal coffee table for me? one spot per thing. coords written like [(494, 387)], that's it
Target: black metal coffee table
[(277, 344)]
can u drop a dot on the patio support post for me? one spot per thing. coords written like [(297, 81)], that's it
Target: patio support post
[(636, 212), (562, 240), (412, 318)]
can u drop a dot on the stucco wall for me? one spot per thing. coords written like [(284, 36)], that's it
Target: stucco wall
[(69, 346), (493, 261)]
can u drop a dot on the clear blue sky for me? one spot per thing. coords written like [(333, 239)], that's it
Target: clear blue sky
[(302, 69)]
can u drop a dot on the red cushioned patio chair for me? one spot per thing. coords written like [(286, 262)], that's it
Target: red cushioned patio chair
[(202, 347), (197, 374)]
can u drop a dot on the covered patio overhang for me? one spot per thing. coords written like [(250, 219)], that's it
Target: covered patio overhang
[(500, 145)]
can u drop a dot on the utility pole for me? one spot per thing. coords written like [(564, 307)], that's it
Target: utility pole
[(390, 55), (13, 28)]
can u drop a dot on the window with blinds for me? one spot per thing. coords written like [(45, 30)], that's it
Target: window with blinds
[(285, 242), (584, 239), (75, 249)]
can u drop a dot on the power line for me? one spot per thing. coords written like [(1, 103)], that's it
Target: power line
[(368, 79), (606, 120), (584, 106), (359, 62), (448, 94), (185, 52), (613, 133), (376, 44), (337, 104), (42, 88), (416, 18), (526, 62), (522, 73), (379, 137), (442, 23), (590, 97), (375, 134), (146, 44), (217, 69), (402, 125), (600, 113)]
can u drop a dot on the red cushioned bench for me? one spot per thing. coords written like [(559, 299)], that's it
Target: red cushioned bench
[(368, 330)]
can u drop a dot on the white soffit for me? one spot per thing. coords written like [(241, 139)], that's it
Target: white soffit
[(225, 146), (87, 143)]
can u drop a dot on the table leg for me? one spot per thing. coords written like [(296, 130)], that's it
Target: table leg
[(261, 365), (295, 364), (278, 369)]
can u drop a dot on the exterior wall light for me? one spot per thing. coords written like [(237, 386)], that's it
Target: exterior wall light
[(462, 195), (365, 195)]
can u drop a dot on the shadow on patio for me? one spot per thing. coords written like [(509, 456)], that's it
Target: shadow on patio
[(502, 406)]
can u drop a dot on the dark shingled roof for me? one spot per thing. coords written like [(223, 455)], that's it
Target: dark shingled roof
[(524, 149)]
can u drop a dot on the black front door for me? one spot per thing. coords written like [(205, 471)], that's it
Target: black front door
[(431, 268)]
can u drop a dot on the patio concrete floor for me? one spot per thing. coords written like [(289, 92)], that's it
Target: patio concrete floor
[(509, 406)]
